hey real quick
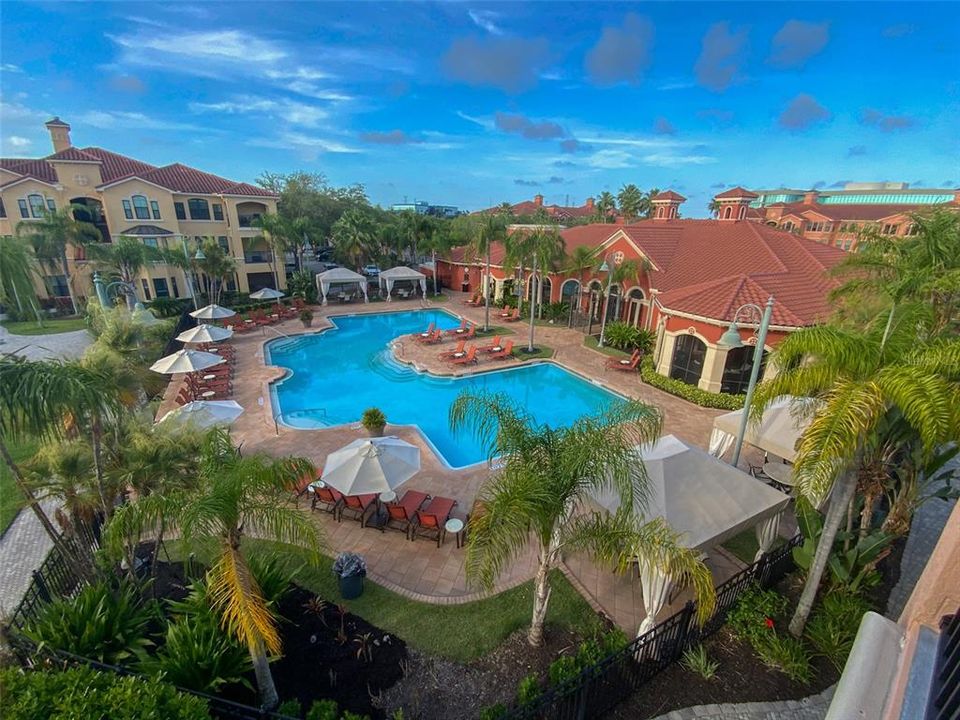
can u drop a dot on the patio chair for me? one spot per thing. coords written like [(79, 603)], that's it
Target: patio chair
[(515, 317), (505, 352), (329, 498), (631, 364), (474, 299), (404, 293), (494, 346), (426, 333), (433, 339), (458, 351), (401, 514), (300, 487), (469, 359), (359, 505), (299, 304), (433, 517), (458, 330)]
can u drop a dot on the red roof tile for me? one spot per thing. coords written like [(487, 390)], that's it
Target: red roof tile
[(114, 166), (72, 153), (529, 207), (737, 192), (37, 169), (669, 195), (863, 212)]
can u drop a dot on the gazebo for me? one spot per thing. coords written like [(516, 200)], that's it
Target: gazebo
[(703, 499), (340, 275), (402, 272), (777, 431)]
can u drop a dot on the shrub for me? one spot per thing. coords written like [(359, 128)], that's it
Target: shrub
[(556, 311), (373, 419), (528, 689), (272, 576), (589, 653), (101, 623), (562, 669), (81, 692), (722, 401), (493, 712), (614, 641), (786, 654), (627, 337), (695, 659), (834, 624), (323, 710), (752, 616), (290, 708), (306, 316)]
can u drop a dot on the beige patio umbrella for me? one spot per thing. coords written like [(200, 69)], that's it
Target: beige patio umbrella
[(205, 333), (212, 312), (266, 294), (371, 465), (186, 361), (204, 414)]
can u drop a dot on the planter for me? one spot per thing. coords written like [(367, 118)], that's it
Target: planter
[(377, 431), (351, 586), (307, 323)]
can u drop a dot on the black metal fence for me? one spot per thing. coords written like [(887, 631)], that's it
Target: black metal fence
[(55, 578), (600, 687)]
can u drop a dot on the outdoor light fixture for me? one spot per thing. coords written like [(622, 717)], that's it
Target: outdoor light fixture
[(731, 338), (605, 267), (199, 255)]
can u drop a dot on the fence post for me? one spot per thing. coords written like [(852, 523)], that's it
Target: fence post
[(42, 590), (688, 612)]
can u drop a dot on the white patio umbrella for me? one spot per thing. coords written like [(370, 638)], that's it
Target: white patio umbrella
[(205, 333), (204, 413), (212, 312), (267, 294), (186, 361), (371, 465)]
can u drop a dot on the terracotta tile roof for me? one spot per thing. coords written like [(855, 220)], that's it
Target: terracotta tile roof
[(670, 195), (737, 192), (29, 167), (529, 207), (72, 153), (184, 179), (56, 122), (114, 166), (865, 212)]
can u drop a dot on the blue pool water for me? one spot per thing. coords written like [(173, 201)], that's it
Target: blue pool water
[(335, 375)]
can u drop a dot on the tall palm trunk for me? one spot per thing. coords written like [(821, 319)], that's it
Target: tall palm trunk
[(269, 698), (66, 278), (434, 258), (843, 491), (486, 294), (541, 591), (533, 302), (96, 434)]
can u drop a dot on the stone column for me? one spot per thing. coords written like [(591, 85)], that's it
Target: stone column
[(713, 363), (666, 354)]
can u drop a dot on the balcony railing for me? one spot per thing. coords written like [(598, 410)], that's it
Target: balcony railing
[(248, 220), (258, 256)]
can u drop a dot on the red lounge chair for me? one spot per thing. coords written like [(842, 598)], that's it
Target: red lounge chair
[(358, 504), (515, 317), (433, 517), (631, 364), (242, 326), (494, 346), (329, 498), (436, 337), (458, 351), (425, 334), (474, 299), (457, 330), (468, 359), (401, 515), (505, 352)]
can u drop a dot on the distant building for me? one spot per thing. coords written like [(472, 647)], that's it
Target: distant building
[(422, 207), (836, 217), (559, 212)]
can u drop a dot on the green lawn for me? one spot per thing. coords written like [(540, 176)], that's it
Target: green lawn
[(459, 632), (494, 330), (540, 351), (591, 342), (53, 325), (10, 498)]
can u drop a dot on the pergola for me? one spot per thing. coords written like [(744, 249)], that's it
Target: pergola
[(703, 499), (776, 433), (402, 272), (340, 275)]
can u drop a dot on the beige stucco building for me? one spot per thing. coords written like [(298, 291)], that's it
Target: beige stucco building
[(174, 206)]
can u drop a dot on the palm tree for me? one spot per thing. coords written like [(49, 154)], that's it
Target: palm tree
[(483, 232), (234, 496), (859, 377), (353, 236), (581, 259), (606, 206), (505, 208), (16, 277), (52, 233), (46, 399), (439, 241), (417, 228), (646, 204), (125, 257), (279, 235), (218, 267), (541, 493), (64, 470), (542, 247), (631, 200), (713, 207), (619, 274)]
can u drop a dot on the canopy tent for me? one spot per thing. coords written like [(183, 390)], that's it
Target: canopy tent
[(776, 433), (402, 272), (340, 275), (705, 500)]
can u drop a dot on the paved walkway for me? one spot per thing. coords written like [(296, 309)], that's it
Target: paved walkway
[(23, 548), (66, 345), (811, 708)]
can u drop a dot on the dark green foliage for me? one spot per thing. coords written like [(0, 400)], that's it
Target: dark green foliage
[(301, 284), (834, 625), (562, 669), (323, 710), (272, 576), (373, 419), (101, 623), (169, 307), (290, 708), (528, 689), (753, 614), (627, 337), (589, 653), (614, 641), (786, 654), (81, 693), (703, 398), (556, 311), (493, 712), (347, 715)]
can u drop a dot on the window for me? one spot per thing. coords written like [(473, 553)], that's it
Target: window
[(173, 285), (847, 244), (127, 209), (37, 208), (199, 209), (155, 209), (788, 225), (3, 210), (231, 284), (140, 208), (218, 212), (736, 371), (56, 285), (160, 287), (889, 229), (150, 242), (912, 228), (24, 211), (819, 226), (224, 243), (51, 205), (146, 288), (179, 211), (688, 354)]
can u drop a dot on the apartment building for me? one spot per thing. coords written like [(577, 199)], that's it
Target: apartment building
[(173, 206)]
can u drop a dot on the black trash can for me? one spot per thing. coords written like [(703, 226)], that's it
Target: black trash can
[(351, 586)]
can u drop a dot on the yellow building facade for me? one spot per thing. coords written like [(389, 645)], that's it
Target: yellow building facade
[(173, 206)]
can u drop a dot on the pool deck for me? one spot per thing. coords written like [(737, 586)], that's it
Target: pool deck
[(420, 570)]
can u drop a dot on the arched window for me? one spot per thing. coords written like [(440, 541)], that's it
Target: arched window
[(688, 354), (140, 207), (613, 303), (743, 212), (199, 209), (727, 212), (569, 289), (37, 208), (659, 212), (736, 371), (788, 225)]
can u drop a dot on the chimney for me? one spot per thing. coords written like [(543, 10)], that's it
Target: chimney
[(666, 205), (538, 200), (59, 134), (810, 197), (589, 203)]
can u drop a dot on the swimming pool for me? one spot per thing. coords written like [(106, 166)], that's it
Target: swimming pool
[(335, 375)]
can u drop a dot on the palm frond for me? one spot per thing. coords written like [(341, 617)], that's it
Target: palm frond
[(245, 614)]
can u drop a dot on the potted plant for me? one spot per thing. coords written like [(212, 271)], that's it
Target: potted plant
[(374, 421), (306, 317), (350, 569)]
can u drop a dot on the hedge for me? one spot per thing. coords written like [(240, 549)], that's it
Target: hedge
[(703, 398), (80, 693)]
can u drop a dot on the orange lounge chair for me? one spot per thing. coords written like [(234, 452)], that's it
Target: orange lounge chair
[(494, 346), (299, 304), (504, 352), (329, 498), (474, 300), (436, 337), (426, 333), (401, 515), (515, 317), (468, 359), (458, 330), (458, 351), (631, 364), (433, 517), (358, 504)]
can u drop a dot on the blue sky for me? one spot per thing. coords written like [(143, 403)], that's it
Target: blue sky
[(472, 103)]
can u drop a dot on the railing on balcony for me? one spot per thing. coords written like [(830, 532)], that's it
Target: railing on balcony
[(258, 256), (248, 220)]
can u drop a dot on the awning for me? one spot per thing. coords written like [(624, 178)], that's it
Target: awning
[(147, 231), (402, 272), (340, 275), (776, 433)]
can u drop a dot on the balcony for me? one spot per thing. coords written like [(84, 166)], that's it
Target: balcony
[(258, 256), (249, 220)]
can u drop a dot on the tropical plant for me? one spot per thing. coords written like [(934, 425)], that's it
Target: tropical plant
[(752, 616), (860, 378), (493, 712), (301, 284), (281, 234), (696, 395), (354, 237), (696, 660), (543, 248), (125, 257), (786, 654), (235, 494), (481, 234), (624, 336), (290, 708), (216, 268), (605, 207), (306, 317), (562, 669), (323, 710), (630, 199), (101, 622), (416, 228), (17, 271), (50, 235), (833, 626), (545, 477), (646, 204), (373, 419), (64, 471), (528, 689), (439, 241)]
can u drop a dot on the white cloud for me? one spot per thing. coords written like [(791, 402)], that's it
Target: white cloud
[(291, 111), (485, 20), (485, 123), (111, 119), (308, 146), (18, 143), (675, 160), (10, 68)]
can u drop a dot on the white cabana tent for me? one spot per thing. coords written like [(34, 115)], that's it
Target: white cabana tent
[(340, 275), (705, 500), (776, 433), (402, 272)]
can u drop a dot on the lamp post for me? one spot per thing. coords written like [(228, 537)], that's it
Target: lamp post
[(189, 271), (731, 340), (608, 268)]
